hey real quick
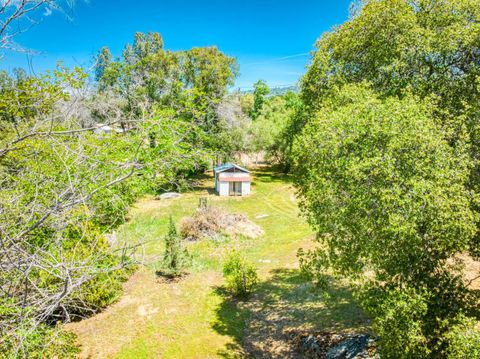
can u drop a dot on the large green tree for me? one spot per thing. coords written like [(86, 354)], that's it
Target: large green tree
[(192, 83), (430, 47), (386, 194), (260, 91)]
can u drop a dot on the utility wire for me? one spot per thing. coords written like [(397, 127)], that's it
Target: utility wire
[(278, 59)]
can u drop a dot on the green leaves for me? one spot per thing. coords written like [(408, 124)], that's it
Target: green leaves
[(260, 90), (387, 195), (377, 175), (190, 84), (240, 276)]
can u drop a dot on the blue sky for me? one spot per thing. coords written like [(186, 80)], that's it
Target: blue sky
[(270, 38)]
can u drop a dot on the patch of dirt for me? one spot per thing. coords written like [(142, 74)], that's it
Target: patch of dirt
[(472, 271), (169, 278), (147, 310), (470, 268)]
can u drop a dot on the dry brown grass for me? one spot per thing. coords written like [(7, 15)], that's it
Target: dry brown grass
[(210, 222), (471, 271)]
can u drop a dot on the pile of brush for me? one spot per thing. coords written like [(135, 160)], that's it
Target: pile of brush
[(210, 222)]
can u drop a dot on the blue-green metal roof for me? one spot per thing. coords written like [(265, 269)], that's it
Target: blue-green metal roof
[(227, 166)]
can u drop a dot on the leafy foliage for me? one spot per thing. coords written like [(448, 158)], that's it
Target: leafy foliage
[(189, 83), (65, 182), (390, 180), (464, 339), (260, 90), (386, 193), (240, 276), (44, 342), (427, 47)]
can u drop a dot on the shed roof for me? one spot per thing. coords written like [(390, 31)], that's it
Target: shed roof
[(228, 166)]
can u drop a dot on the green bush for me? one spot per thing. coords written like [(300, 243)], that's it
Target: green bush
[(175, 258), (100, 292), (41, 343), (398, 321), (240, 276), (386, 195), (463, 339)]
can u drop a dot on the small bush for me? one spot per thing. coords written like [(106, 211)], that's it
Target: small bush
[(240, 276), (43, 342), (176, 257)]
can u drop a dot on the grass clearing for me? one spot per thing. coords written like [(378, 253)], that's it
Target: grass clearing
[(193, 318)]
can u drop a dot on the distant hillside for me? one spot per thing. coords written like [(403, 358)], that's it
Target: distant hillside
[(274, 91), (278, 91)]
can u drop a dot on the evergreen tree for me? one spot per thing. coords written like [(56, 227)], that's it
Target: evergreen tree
[(173, 257)]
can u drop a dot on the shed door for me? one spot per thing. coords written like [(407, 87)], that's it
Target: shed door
[(235, 188)]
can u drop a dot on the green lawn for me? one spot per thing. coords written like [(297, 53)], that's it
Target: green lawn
[(193, 318)]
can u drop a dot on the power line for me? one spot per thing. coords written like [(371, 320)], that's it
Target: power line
[(278, 59)]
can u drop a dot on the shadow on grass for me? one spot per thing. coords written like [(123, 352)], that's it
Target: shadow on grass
[(169, 277), (271, 174), (262, 327), (203, 182)]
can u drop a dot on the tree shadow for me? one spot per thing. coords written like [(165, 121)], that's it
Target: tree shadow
[(264, 326), (203, 182), (271, 174)]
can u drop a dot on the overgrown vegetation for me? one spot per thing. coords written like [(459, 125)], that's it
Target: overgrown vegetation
[(385, 161), (383, 144), (74, 156), (240, 276)]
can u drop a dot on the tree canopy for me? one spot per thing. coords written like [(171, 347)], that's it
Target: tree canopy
[(386, 194), (385, 154)]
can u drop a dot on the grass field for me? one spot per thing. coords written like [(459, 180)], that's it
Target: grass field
[(192, 317)]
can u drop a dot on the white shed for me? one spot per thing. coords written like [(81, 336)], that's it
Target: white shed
[(232, 180)]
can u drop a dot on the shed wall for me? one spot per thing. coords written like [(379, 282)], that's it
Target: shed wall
[(223, 188), (245, 188)]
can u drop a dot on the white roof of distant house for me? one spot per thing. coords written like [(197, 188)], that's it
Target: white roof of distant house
[(102, 128)]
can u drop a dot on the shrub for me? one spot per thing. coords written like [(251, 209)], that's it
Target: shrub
[(398, 320), (241, 277), (101, 291), (463, 339), (175, 256), (43, 342)]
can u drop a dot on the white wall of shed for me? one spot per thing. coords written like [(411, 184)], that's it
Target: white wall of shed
[(223, 188), (245, 188)]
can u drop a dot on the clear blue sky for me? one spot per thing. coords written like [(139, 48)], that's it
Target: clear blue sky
[(270, 38)]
